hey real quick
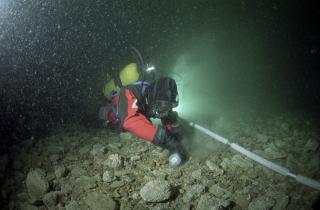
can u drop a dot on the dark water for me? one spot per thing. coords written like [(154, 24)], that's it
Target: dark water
[(55, 56)]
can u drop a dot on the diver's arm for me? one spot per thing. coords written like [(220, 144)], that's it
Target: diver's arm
[(136, 122)]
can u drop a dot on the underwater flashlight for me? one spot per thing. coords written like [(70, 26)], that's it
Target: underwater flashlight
[(174, 159)]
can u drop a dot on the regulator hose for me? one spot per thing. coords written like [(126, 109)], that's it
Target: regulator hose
[(141, 65)]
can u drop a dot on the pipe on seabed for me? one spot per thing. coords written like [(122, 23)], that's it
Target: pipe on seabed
[(277, 168)]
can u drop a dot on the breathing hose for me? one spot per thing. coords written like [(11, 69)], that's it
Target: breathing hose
[(277, 168), (141, 65)]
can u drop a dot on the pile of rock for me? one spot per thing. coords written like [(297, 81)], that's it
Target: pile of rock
[(95, 169)]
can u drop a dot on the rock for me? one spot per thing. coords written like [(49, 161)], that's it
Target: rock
[(223, 204), (115, 147), (73, 205), (164, 154), (84, 150), (99, 160), (193, 193), (197, 174), (135, 157), (214, 168), (226, 163), (23, 196), (261, 138), (141, 150), (55, 149), (312, 145), (206, 202), (26, 206), (59, 171), (315, 163), (261, 203), (77, 171), (37, 185), (122, 172), (114, 161), (117, 184), (242, 162), (85, 183), (96, 139), (241, 200), (71, 157), (51, 199), (116, 194), (291, 161), (98, 149), (50, 176), (99, 201), (219, 192), (295, 203), (126, 135), (158, 153), (135, 196), (97, 177), (272, 152), (108, 176), (160, 174), (65, 186), (156, 191), (124, 206), (280, 143), (54, 157), (281, 203), (280, 198)]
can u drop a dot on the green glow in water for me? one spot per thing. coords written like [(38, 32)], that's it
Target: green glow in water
[(196, 88)]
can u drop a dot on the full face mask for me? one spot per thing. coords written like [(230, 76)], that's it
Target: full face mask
[(162, 96)]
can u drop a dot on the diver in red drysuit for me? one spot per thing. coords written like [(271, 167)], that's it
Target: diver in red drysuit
[(134, 105)]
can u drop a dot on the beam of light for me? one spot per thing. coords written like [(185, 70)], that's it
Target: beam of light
[(182, 74), (196, 80), (178, 76)]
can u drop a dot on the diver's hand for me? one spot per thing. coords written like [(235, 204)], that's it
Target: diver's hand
[(164, 140), (173, 116), (174, 146), (169, 142), (174, 129)]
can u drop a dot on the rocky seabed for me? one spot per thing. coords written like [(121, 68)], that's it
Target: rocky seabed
[(97, 169)]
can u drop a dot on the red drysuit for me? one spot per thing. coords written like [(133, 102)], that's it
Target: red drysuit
[(127, 113)]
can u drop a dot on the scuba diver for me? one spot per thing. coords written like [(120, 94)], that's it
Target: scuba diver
[(133, 103)]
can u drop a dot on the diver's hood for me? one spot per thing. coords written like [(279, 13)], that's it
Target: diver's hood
[(162, 96)]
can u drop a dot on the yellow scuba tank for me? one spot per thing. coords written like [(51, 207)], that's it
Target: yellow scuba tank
[(129, 74)]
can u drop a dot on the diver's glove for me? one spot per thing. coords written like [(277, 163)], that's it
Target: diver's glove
[(161, 138), (172, 125), (174, 129), (170, 143)]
